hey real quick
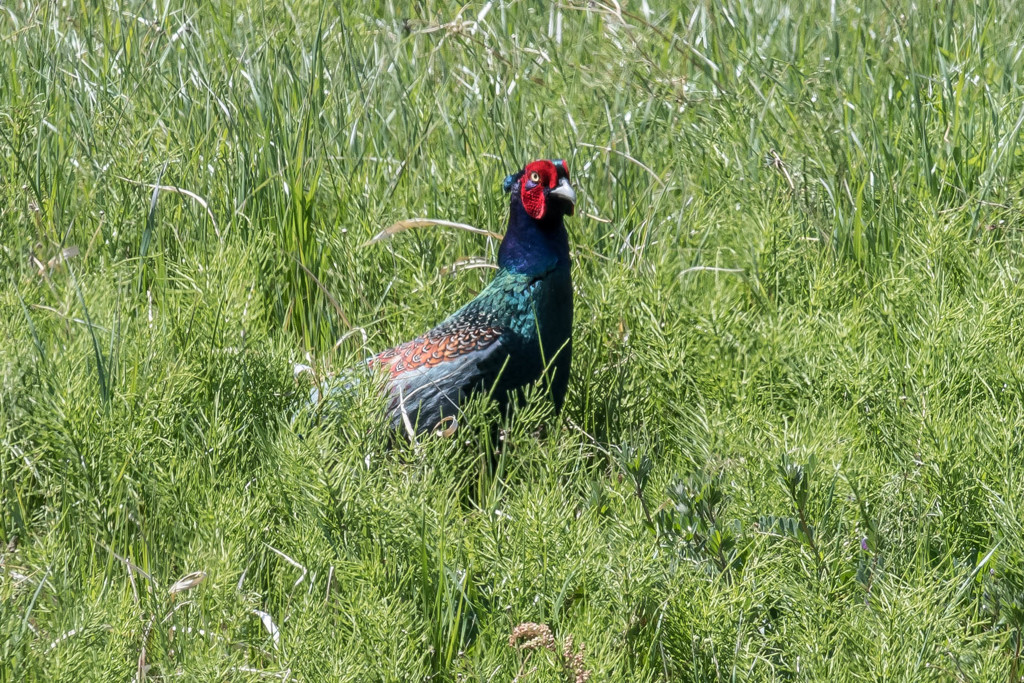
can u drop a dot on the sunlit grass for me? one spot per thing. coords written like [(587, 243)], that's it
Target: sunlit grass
[(792, 445)]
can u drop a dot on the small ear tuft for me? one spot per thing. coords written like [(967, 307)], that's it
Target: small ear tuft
[(510, 180)]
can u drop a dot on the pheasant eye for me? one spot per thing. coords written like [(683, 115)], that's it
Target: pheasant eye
[(535, 177)]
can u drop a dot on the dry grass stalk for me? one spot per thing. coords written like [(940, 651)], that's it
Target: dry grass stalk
[(402, 226), (186, 582)]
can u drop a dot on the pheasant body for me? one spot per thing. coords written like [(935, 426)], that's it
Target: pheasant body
[(516, 331)]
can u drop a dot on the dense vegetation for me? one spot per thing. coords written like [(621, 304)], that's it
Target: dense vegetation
[(792, 445)]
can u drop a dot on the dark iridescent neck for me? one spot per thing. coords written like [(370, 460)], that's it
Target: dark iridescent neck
[(531, 246)]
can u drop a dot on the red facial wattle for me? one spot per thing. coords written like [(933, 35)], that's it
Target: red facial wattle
[(537, 177)]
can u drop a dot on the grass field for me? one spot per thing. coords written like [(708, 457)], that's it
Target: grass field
[(793, 439)]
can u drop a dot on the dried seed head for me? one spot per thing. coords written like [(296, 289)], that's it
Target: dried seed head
[(531, 636), (572, 661)]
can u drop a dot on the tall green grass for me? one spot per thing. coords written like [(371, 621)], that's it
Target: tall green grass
[(792, 442)]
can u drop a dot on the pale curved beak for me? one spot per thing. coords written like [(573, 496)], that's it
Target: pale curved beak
[(565, 193)]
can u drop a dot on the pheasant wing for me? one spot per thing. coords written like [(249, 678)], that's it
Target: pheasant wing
[(430, 376)]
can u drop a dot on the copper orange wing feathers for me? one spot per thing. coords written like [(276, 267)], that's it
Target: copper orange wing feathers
[(455, 337)]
